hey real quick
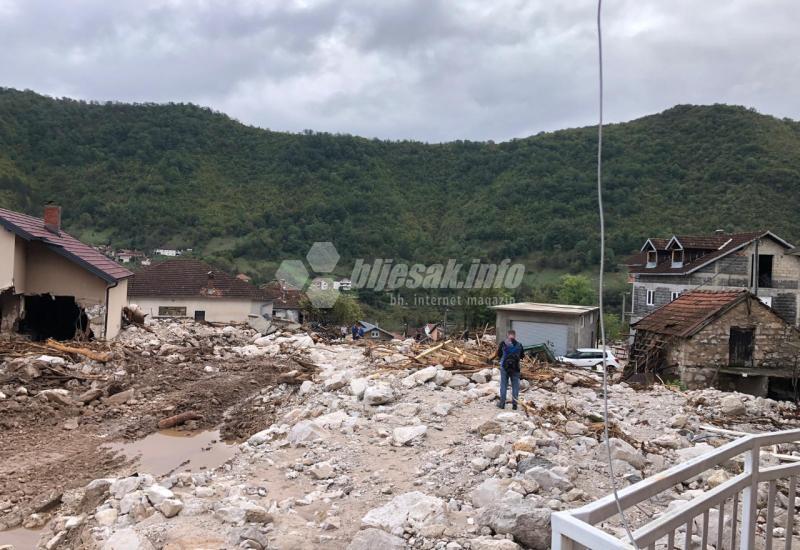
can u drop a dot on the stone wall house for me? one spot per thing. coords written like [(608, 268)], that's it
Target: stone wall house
[(730, 339), (760, 262), (54, 286)]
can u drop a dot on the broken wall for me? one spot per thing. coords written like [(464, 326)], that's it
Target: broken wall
[(50, 273)]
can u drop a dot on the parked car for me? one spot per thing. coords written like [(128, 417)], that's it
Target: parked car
[(590, 358)]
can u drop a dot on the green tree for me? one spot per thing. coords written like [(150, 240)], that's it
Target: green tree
[(576, 290)]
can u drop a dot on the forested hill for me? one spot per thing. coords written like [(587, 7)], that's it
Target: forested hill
[(152, 175)]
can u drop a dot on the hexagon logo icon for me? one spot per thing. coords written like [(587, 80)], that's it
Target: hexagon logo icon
[(294, 273), (321, 293), (322, 257)]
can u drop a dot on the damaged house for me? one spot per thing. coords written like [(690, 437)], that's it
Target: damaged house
[(186, 287), (729, 339), (54, 286), (761, 262)]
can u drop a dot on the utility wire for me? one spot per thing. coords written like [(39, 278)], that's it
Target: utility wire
[(602, 269)]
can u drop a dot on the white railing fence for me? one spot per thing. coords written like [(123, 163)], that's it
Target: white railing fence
[(725, 517)]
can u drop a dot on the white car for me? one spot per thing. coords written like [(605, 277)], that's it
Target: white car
[(590, 358)]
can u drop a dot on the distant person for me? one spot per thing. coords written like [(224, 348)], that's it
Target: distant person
[(343, 331), (510, 354), (354, 331)]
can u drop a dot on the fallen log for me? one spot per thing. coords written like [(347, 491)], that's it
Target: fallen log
[(101, 357), (178, 419), (430, 350)]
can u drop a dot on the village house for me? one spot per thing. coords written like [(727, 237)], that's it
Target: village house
[(374, 332), (730, 339), (54, 286), (286, 301), (562, 327), (761, 262), (186, 287)]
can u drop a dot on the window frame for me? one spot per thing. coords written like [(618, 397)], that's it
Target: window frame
[(674, 295), (650, 297), (651, 264), (677, 263)]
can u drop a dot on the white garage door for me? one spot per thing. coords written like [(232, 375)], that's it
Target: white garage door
[(555, 336)]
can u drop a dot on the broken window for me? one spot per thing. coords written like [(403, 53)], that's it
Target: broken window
[(651, 297), (652, 258), (57, 317), (741, 344), (765, 270), (171, 311)]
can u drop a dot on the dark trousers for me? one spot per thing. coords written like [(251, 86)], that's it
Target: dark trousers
[(504, 376)]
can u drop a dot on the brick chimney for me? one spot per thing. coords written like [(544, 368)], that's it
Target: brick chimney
[(52, 218)]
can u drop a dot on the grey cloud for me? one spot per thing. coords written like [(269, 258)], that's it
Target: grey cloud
[(421, 69)]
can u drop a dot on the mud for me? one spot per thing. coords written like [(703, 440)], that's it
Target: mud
[(169, 451), (51, 447)]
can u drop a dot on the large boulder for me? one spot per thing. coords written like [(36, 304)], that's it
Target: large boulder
[(374, 539), (622, 450), (379, 394), (414, 509), (529, 524), (547, 479), (405, 435), (127, 539), (732, 405), (305, 432), (491, 490)]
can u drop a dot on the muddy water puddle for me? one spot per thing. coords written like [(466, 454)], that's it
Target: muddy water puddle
[(21, 538), (169, 451)]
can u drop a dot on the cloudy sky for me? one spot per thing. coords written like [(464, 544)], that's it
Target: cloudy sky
[(431, 70)]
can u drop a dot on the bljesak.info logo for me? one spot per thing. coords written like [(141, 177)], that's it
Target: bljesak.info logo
[(382, 274)]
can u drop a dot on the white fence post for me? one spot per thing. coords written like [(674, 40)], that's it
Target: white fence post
[(750, 499)]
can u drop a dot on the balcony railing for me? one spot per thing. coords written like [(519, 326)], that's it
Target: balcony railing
[(736, 499)]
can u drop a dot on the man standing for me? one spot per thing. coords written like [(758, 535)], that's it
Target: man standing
[(510, 353)]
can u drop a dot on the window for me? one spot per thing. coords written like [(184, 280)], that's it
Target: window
[(652, 258), (199, 315), (741, 346), (171, 311), (677, 258), (651, 297), (675, 295), (765, 270), (375, 334)]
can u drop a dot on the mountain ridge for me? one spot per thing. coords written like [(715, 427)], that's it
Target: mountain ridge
[(149, 175)]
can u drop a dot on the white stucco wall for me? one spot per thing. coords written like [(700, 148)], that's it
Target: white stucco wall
[(7, 258), (117, 299), (51, 273), (218, 310)]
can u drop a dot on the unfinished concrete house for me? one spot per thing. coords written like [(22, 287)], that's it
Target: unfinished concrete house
[(562, 327), (186, 287), (54, 286), (760, 261), (729, 339)]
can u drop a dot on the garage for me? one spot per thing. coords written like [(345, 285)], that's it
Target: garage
[(554, 335), (562, 327)]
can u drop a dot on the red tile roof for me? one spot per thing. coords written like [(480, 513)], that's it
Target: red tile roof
[(717, 245), (283, 298), (32, 229), (690, 312), (188, 277)]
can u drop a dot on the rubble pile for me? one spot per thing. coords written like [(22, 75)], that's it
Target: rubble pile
[(375, 447)]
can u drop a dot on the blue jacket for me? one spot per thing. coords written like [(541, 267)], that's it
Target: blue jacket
[(510, 355)]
